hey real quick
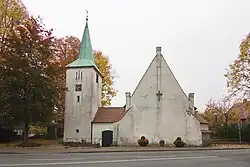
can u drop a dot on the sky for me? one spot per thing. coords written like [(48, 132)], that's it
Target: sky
[(199, 39)]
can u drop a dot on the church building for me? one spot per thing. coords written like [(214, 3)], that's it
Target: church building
[(158, 108)]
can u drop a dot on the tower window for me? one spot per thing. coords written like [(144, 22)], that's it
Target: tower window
[(81, 75), (78, 98), (76, 75), (96, 78), (78, 87)]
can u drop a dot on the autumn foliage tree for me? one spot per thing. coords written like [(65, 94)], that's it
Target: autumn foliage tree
[(238, 73), (12, 13), (67, 51), (218, 113), (28, 90)]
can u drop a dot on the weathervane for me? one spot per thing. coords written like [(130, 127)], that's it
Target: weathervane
[(87, 15)]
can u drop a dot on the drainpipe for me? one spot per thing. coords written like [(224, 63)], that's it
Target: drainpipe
[(91, 132), (91, 110)]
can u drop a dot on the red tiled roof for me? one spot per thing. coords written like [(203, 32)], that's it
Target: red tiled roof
[(109, 114)]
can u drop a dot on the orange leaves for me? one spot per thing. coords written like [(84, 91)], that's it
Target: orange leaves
[(108, 73), (238, 73), (219, 112), (67, 48)]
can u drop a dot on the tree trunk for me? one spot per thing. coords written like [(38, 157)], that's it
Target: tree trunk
[(26, 131)]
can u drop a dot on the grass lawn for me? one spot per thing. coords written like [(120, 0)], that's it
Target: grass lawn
[(43, 142)]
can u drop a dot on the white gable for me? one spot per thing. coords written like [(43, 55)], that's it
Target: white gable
[(164, 118), (148, 83)]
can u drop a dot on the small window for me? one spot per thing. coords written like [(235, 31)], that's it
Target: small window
[(76, 75), (96, 78), (78, 87), (78, 98), (81, 75)]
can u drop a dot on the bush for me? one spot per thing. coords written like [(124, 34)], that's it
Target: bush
[(143, 141), (179, 143), (28, 144), (83, 143), (162, 143), (7, 134)]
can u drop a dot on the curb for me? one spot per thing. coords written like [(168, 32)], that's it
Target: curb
[(120, 151), (160, 150)]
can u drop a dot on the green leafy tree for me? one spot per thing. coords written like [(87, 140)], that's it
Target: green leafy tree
[(28, 73)]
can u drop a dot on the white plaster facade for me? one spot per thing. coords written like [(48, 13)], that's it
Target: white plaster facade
[(79, 114), (98, 128), (171, 120)]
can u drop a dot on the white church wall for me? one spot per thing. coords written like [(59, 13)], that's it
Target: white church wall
[(78, 115), (172, 114), (99, 127), (194, 136), (174, 121), (172, 118), (96, 88), (144, 103), (125, 129)]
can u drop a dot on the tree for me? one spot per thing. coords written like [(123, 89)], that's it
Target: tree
[(218, 112), (27, 74), (67, 48), (238, 73), (12, 13), (108, 91), (67, 51)]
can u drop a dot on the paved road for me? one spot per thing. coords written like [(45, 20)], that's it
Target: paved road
[(221, 158)]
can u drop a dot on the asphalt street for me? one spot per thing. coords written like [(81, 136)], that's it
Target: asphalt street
[(219, 158)]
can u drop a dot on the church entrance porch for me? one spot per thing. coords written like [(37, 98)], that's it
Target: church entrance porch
[(107, 138)]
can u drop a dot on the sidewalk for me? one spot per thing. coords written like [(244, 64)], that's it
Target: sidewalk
[(58, 150)]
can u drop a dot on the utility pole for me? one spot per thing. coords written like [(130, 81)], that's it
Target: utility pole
[(239, 128)]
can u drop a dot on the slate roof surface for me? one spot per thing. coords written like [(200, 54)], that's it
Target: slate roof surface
[(200, 119)]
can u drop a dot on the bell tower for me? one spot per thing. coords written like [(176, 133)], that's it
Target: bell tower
[(83, 95)]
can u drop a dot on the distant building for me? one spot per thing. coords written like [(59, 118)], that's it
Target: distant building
[(241, 110)]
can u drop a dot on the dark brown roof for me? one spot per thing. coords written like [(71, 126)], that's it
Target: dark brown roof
[(109, 114)]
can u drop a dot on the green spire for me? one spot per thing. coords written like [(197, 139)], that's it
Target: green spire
[(85, 57)]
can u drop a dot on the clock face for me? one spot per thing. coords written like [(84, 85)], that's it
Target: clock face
[(78, 87)]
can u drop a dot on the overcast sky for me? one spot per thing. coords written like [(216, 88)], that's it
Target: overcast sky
[(199, 38)]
